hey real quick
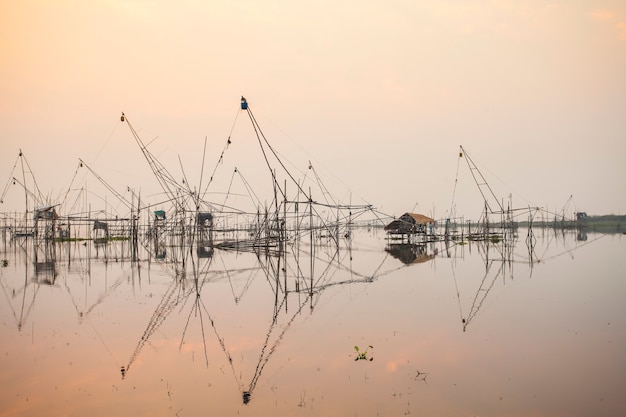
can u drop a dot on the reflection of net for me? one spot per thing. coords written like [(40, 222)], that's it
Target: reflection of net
[(317, 286), (168, 302), (264, 358), (481, 294), (98, 301), (309, 285), (23, 315), (268, 349)]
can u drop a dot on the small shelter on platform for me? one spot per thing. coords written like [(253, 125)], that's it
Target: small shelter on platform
[(45, 213), (410, 224), (45, 221)]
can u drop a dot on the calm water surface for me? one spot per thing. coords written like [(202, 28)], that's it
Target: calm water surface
[(465, 330)]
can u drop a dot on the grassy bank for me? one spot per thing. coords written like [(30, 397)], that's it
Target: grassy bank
[(608, 223)]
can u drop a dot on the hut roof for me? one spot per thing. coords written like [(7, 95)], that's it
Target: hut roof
[(420, 218), (409, 219)]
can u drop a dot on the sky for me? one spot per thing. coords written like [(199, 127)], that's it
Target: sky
[(377, 95)]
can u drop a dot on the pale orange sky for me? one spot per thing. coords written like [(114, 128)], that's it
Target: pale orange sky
[(379, 94)]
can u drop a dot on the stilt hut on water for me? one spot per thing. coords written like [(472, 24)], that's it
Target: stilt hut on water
[(409, 225)]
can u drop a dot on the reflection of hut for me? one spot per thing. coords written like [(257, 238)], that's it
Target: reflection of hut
[(410, 224), (409, 254), (204, 252), (45, 272)]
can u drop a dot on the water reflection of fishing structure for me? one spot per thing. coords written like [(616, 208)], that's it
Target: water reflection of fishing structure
[(486, 284), (39, 258), (16, 294), (53, 264), (500, 257), (296, 274)]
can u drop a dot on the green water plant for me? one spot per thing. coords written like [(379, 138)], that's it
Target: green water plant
[(363, 355)]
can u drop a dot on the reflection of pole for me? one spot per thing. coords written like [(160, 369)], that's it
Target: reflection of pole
[(283, 244), (167, 303), (481, 293), (530, 238), (265, 357), (277, 281), (89, 245), (284, 222), (312, 245), (19, 323)]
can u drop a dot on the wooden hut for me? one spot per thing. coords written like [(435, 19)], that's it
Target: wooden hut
[(410, 224)]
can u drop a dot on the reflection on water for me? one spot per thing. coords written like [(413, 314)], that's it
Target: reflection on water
[(411, 254), (363, 326)]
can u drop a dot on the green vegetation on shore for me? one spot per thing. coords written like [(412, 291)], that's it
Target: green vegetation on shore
[(607, 223)]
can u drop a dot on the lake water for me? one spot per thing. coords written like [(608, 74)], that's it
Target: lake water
[(478, 329)]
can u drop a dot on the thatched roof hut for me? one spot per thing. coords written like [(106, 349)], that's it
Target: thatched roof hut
[(409, 223)]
